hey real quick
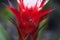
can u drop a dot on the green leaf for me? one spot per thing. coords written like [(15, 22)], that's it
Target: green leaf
[(5, 14), (42, 29), (3, 34), (41, 33)]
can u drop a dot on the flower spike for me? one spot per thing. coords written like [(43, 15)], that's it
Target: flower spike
[(29, 18)]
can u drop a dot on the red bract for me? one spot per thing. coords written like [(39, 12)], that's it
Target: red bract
[(29, 18)]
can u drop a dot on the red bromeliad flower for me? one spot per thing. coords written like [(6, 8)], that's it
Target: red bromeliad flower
[(29, 16)]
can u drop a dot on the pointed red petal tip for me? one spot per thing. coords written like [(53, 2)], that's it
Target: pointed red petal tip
[(46, 12), (14, 11)]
